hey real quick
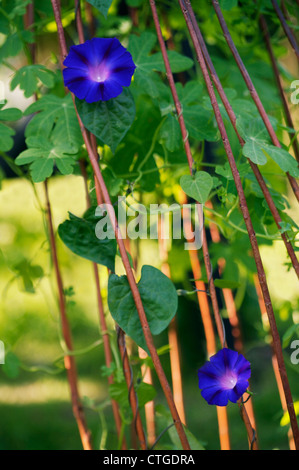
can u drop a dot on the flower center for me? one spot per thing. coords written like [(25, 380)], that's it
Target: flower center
[(99, 73), (229, 380)]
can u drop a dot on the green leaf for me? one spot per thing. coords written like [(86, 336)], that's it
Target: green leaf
[(28, 273), (178, 62), (79, 235), (283, 159), (140, 47), (56, 119), (6, 141), (166, 419), (159, 298), (294, 329), (14, 43), (6, 133), (226, 284), (10, 114), (101, 5), (190, 93), (228, 4), (119, 392), (170, 133), (200, 123), (29, 76), (258, 146), (108, 120), (198, 187), (43, 155)]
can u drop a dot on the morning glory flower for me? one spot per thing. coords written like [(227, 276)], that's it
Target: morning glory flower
[(98, 69), (224, 377)]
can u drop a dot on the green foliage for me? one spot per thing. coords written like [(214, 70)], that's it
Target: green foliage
[(78, 234), (102, 5), (28, 78), (55, 119), (28, 273), (198, 186), (257, 146), (42, 156), (108, 120), (11, 368), (6, 132), (158, 296), (119, 392), (140, 48), (142, 158)]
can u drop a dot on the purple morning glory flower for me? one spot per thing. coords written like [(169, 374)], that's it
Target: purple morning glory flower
[(224, 377), (98, 69)]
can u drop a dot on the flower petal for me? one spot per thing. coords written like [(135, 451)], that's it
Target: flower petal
[(239, 389), (111, 89), (242, 367), (94, 93), (215, 396), (79, 57)]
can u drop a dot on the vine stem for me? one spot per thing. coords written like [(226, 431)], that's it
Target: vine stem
[(124, 256), (232, 117), (69, 360), (251, 88), (248, 223), (286, 28)]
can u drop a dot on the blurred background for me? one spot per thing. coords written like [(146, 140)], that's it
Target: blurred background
[(35, 407)]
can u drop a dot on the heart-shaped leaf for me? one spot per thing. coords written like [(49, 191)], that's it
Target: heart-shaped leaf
[(159, 298), (108, 120), (198, 186), (80, 237)]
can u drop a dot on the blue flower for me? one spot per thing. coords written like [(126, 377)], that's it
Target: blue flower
[(224, 377), (98, 69)]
